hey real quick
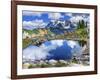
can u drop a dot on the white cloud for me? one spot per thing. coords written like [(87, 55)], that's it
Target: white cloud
[(54, 45), (34, 53), (55, 15), (57, 42), (69, 14), (27, 23), (32, 13), (76, 49), (49, 47), (34, 24), (77, 18), (71, 43)]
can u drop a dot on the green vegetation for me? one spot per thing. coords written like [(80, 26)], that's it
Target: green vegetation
[(26, 42), (59, 64), (29, 31), (81, 24), (31, 66), (82, 42), (35, 31), (44, 65), (75, 61), (81, 30)]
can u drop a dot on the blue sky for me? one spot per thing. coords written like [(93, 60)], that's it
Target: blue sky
[(35, 19), (46, 16)]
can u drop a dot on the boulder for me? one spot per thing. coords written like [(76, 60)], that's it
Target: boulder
[(26, 65), (63, 61), (52, 61)]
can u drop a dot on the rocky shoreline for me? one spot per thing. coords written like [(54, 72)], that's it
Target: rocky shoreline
[(54, 63)]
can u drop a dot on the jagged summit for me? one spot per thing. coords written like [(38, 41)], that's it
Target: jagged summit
[(61, 24), (65, 24)]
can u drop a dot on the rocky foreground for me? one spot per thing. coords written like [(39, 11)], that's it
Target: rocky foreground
[(54, 63)]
